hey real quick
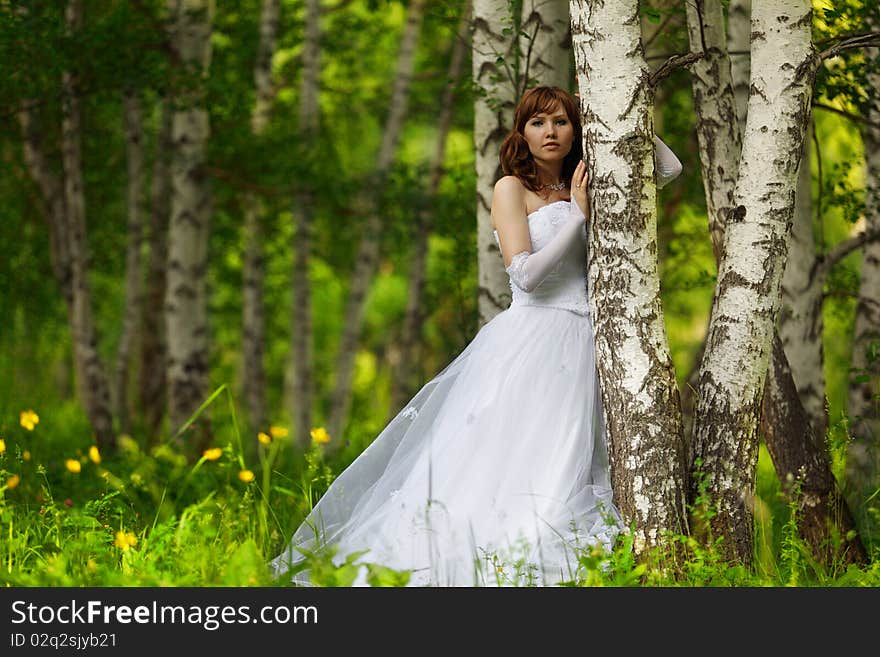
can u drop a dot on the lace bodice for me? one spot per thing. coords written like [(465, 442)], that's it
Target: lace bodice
[(566, 285)]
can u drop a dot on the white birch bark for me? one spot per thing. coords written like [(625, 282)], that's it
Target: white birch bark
[(639, 392), (718, 132), (186, 294), (863, 452), (738, 27), (253, 314), (300, 365), (134, 152), (545, 54), (801, 325), (368, 248), (747, 293), (92, 382), (403, 382), (495, 84), (153, 340)]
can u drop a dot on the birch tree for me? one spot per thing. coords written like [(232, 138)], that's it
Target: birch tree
[(301, 357), (368, 248), (786, 427), (747, 293), (154, 346), (402, 384), (253, 313), (186, 298), (801, 326), (493, 61), (639, 392), (545, 44), (133, 275), (92, 382)]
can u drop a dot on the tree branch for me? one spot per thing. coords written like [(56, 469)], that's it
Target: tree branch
[(849, 115), (825, 263), (667, 67), (868, 39)]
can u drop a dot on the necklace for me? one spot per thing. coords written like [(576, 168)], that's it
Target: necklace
[(556, 187)]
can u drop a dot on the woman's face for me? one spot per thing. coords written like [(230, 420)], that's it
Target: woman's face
[(549, 134)]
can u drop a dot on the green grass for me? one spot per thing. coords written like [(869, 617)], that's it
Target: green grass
[(153, 517)]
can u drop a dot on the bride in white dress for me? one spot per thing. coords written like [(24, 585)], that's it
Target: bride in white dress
[(496, 472)]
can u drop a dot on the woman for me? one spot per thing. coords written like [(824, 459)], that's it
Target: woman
[(496, 471)]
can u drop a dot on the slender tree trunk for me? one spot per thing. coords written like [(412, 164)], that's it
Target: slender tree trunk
[(739, 16), (301, 319), (720, 142), (52, 192), (800, 317), (92, 383), (186, 295), (546, 50), (133, 275), (639, 393), (803, 468), (403, 383), (863, 452), (153, 341), (494, 78), (253, 316), (747, 294), (368, 249)]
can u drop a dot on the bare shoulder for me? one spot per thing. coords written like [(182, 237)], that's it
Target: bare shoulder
[(510, 186), (508, 198)]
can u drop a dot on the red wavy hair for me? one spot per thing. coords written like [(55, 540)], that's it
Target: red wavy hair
[(516, 158)]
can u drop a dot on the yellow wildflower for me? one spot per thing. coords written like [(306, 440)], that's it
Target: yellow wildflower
[(29, 419), (94, 454), (2, 445), (12, 482), (125, 540), (278, 432), (26, 455), (264, 438), (73, 465), (212, 454), (247, 476), (320, 435)]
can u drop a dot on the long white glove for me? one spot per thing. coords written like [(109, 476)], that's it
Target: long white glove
[(528, 270), (667, 165)]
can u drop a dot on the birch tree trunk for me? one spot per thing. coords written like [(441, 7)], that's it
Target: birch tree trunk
[(639, 393), (253, 316), (92, 383), (494, 77), (546, 51), (52, 192), (153, 339), (403, 382), (368, 248), (186, 298), (800, 318), (719, 138), (803, 468), (133, 275), (863, 452), (747, 293), (301, 308), (739, 15), (715, 106)]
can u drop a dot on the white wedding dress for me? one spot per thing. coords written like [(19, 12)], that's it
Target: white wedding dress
[(496, 472)]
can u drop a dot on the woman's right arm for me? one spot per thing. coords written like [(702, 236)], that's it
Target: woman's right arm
[(526, 269)]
